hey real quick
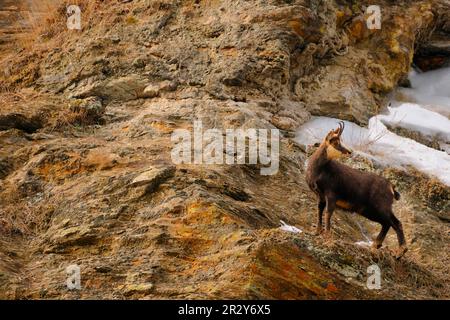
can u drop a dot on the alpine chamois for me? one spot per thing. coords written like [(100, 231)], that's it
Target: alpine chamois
[(338, 185)]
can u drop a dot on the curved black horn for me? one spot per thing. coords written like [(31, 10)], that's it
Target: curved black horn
[(341, 126)]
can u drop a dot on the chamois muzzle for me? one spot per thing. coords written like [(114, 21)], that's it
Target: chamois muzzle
[(344, 150)]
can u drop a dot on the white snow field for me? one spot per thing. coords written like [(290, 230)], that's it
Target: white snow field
[(431, 90), (415, 118)]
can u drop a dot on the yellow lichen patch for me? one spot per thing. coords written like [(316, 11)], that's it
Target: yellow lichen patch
[(268, 54), (296, 26), (100, 159), (230, 51), (94, 283), (68, 164), (339, 16), (60, 169), (192, 231), (282, 270), (162, 126), (394, 45), (131, 20), (332, 288), (138, 261), (198, 233), (201, 211), (208, 213), (358, 30)]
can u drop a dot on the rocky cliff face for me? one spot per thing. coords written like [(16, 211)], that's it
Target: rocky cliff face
[(87, 178)]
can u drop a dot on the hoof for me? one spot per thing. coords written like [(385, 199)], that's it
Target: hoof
[(318, 232), (375, 245), (400, 252)]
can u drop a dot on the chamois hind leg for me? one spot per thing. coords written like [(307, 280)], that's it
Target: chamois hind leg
[(331, 205), (397, 225), (320, 208), (378, 242)]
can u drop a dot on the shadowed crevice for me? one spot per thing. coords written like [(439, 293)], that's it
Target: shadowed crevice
[(20, 122)]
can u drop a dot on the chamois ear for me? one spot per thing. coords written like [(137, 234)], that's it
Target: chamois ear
[(330, 135)]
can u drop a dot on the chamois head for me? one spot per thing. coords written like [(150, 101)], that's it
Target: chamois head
[(334, 147)]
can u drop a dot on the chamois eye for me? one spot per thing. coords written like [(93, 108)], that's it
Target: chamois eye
[(334, 140)]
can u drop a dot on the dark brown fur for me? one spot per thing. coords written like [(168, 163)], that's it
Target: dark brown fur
[(338, 185)]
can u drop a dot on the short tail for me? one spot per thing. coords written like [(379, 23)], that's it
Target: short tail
[(396, 194)]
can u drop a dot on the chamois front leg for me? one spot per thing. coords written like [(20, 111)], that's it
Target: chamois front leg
[(330, 206), (320, 207)]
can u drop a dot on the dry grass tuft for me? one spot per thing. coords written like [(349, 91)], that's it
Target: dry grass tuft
[(19, 217), (430, 191), (72, 118), (78, 115), (47, 19)]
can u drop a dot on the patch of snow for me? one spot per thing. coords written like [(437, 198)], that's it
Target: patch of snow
[(378, 143), (437, 104), (415, 118), (318, 127), (431, 83), (363, 231), (288, 228), (368, 242), (364, 243), (431, 90)]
